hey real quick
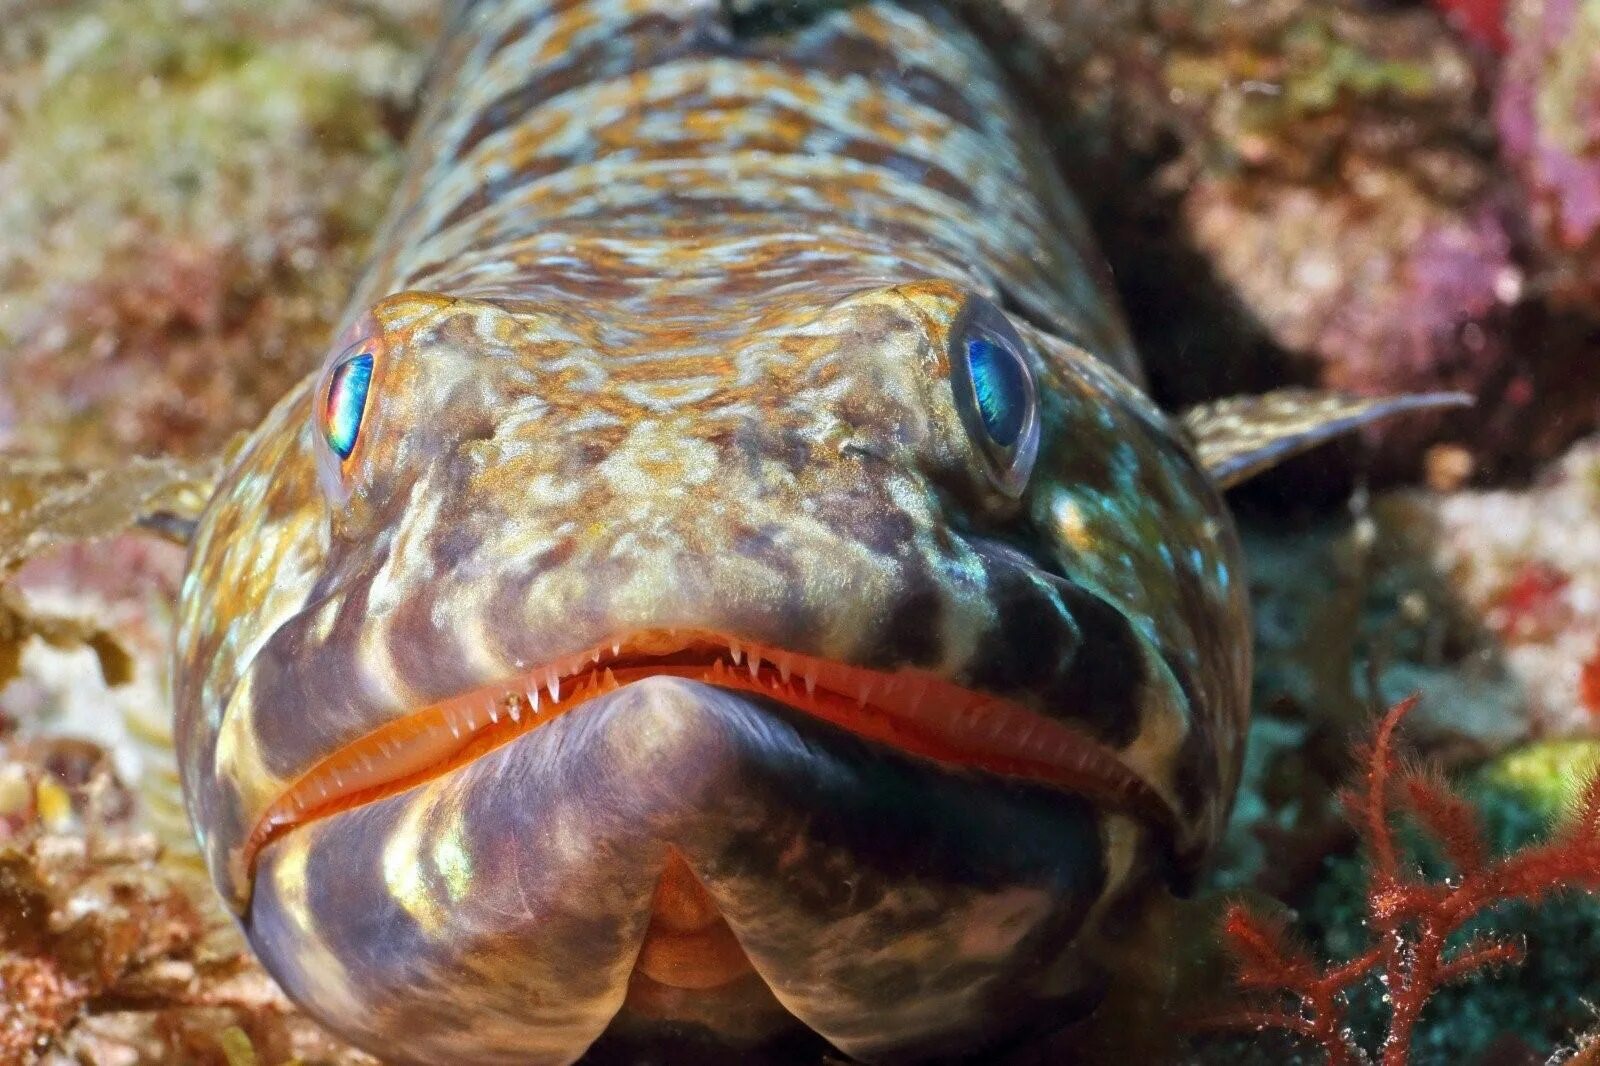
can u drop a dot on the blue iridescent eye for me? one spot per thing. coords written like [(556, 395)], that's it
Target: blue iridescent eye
[(995, 394), (1000, 388), (346, 402)]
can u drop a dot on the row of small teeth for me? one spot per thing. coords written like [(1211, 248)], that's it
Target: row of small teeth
[(976, 721), (865, 690), (465, 718), (463, 721)]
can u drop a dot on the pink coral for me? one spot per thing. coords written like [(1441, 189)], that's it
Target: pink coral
[(1547, 113)]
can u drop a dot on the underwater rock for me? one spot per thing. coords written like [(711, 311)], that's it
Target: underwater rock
[(1383, 293), (1342, 196), (188, 188), (1313, 193), (1355, 612), (111, 951), (1527, 561), (1487, 603)]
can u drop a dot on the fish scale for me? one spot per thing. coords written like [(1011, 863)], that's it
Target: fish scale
[(658, 557)]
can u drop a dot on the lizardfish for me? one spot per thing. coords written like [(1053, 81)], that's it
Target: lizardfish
[(726, 585)]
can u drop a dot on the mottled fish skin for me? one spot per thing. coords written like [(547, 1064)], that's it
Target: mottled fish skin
[(662, 320)]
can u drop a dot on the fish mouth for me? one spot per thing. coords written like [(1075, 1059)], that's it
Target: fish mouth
[(912, 710)]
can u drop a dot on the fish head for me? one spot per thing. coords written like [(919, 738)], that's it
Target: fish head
[(833, 663)]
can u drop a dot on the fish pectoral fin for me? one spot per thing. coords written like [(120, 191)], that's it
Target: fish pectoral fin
[(1241, 436)]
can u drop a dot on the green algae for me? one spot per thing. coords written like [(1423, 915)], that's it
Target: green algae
[(1324, 68), (1543, 777), (1302, 79), (1310, 70)]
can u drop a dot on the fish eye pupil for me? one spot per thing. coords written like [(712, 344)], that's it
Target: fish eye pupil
[(346, 402), (999, 389)]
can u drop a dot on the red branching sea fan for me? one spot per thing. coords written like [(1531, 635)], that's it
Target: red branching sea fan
[(1417, 944)]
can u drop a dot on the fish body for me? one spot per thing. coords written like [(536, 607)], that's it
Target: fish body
[(727, 583)]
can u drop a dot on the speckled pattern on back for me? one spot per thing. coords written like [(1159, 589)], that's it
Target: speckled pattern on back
[(663, 316)]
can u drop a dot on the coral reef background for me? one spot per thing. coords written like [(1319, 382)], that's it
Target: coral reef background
[(1376, 195)]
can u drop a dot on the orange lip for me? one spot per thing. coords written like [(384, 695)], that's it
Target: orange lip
[(914, 711)]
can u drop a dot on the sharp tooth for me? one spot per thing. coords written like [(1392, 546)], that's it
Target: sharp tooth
[(533, 698), (494, 712), (596, 656), (555, 689), (755, 663), (338, 782), (735, 652), (616, 648), (610, 680), (909, 693), (471, 723), (1021, 741), (455, 730), (811, 681), (784, 663)]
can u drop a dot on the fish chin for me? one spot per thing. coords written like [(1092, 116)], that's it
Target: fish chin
[(682, 859)]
